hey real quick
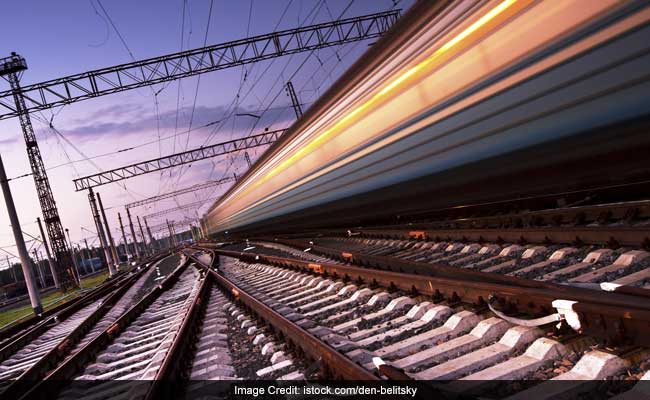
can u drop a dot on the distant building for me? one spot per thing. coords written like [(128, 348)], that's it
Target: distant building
[(92, 264)]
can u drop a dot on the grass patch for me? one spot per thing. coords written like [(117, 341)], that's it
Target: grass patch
[(93, 281), (51, 300)]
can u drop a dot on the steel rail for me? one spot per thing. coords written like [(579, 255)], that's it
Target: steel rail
[(420, 268), (613, 236), (412, 267), (56, 379), (549, 216), (170, 368), (618, 318), (9, 332), (335, 363)]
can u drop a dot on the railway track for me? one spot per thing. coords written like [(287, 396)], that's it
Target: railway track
[(440, 281), (190, 327), (258, 342), (444, 340), (29, 355), (551, 263), (604, 245), (596, 267), (277, 312), (91, 359), (624, 214)]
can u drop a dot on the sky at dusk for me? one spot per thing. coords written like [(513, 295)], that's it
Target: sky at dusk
[(60, 38)]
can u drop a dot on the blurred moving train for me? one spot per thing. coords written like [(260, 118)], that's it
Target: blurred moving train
[(462, 101)]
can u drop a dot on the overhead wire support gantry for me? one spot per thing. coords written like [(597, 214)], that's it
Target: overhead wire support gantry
[(19, 101), (195, 204), (73, 88), (190, 189), (177, 159)]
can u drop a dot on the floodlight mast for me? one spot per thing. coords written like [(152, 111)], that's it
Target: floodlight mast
[(10, 69)]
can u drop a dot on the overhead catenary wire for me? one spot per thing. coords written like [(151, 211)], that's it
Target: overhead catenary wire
[(123, 186), (196, 90), (244, 83), (232, 108), (137, 146), (234, 104), (252, 87), (99, 2), (179, 86), (128, 49), (107, 29), (339, 58), (320, 5), (313, 13), (296, 71)]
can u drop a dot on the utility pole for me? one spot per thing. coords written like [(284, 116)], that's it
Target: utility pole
[(49, 255), (151, 238), (37, 264), (90, 256), (100, 231), (174, 234), (294, 100), (135, 239), (192, 233), (74, 259), (171, 235), (116, 259), (202, 229), (10, 68), (144, 239), (39, 258), (11, 267), (34, 295), (198, 228), (173, 231), (83, 259), (88, 252), (155, 244), (126, 244)]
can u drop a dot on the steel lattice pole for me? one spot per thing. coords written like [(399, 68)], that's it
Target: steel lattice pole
[(44, 191), (49, 255), (126, 243), (135, 238), (100, 231), (144, 239), (151, 238), (109, 237)]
